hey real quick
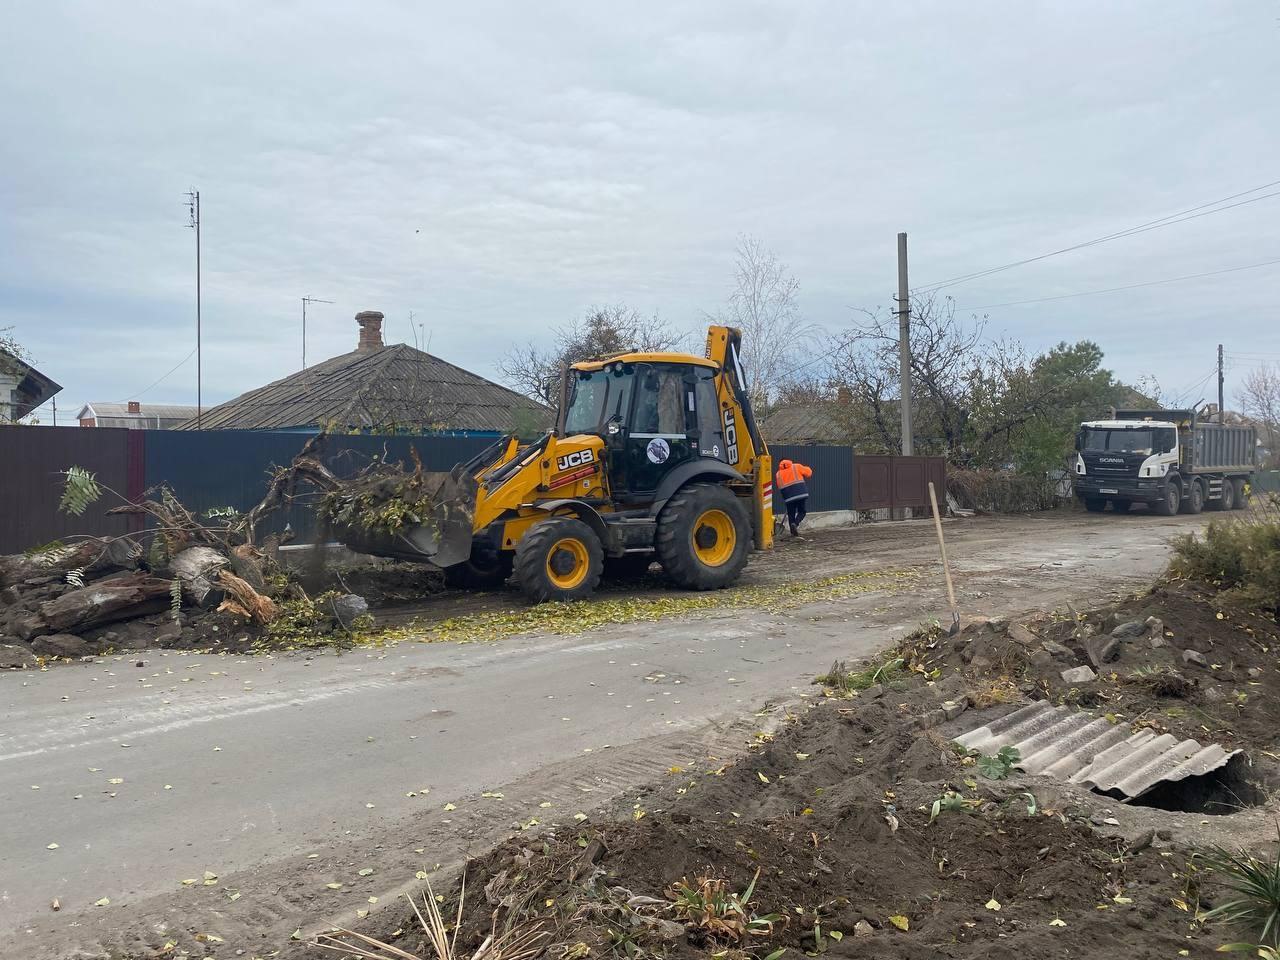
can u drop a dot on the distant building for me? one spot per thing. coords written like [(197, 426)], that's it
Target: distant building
[(134, 415), (381, 389), (22, 388)]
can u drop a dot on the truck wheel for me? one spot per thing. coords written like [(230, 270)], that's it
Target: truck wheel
[(1228, 498), (703, 537), (559, 559), (632, 566), (1121, 506), (1194, 502), (1172, 498), (1241, 499), (1095, 504), (483, 571)]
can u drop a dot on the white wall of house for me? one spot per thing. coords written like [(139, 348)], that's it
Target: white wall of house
[(8, 394)]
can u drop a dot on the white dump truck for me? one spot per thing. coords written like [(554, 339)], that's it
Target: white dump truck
[(1171, 460)]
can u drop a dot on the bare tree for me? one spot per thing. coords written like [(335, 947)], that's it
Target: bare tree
[(945, 356), (1260, 401), (764, 306), (611, 329)]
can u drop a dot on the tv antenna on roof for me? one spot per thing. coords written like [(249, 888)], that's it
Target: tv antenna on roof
[(305, 301)]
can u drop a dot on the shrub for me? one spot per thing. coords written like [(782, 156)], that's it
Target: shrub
[(1241, 555), (1001, 491)]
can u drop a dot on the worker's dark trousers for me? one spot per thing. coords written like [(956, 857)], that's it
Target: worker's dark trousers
[(796, 509)]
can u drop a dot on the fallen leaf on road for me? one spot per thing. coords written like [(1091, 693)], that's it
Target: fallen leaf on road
[(52, 846), (367, 871), (168, 786), (296, 935), (217, 749), (373, 899), (420, 875), (333, 886), (450, 806), (993, 904), (368, 806), (313, 856), (763, 778), (1057, 922), (491, 795), (116, 780), (544, 804), (802, 756), (56, 905), (102, 903), (209, 937), (233, 897), (579, 817), (189, 882), (901, 922), (362, 914)]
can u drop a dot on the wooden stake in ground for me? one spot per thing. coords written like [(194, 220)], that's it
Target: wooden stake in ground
[(946, 567)]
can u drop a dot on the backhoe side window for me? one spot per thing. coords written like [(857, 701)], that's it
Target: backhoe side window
[(659, 407), (710, 426)]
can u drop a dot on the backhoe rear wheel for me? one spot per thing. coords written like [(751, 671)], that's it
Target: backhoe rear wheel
[(703, 537), (559, 559)]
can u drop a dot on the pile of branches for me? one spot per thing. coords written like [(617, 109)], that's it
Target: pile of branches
[(1001, 491), (71, 598), (383, 497)]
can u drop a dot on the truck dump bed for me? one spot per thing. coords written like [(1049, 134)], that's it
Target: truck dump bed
[(1223, 447)]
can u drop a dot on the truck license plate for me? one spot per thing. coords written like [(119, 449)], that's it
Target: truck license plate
[(1107, 490)]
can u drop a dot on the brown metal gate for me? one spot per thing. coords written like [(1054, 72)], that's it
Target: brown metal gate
[(886, 482)]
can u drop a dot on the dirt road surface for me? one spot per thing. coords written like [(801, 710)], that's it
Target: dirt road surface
[(275, 777)]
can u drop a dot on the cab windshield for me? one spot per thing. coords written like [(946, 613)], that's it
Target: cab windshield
[(1122, 440), (597, 397)]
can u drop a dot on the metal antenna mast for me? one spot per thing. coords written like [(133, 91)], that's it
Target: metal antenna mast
[(193, 210), (305, 301)]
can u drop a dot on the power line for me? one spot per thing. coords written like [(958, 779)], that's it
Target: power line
[(1186, 394), (162, 379), (1191, 213), (1128, 286)]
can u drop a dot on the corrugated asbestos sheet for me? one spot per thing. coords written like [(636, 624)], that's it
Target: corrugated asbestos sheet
[(1081, 748)]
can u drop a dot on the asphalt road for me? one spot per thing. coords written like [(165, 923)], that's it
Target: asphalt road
[(149, 769)]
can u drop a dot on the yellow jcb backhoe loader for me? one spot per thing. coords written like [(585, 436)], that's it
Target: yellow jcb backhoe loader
[(655, 456)]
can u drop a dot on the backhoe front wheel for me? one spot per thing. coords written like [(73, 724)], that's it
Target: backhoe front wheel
[(559, 559), (703, 537)]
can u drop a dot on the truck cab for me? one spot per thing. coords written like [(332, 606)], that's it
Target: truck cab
[(1167, 459)]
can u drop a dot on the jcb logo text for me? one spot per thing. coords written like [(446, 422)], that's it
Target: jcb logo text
[(575, 459)]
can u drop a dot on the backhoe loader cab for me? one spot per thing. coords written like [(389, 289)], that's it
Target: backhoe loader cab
[(655, 456)]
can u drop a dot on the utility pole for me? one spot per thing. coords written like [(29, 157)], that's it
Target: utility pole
[(1222, 413), (904, 346), (193, 210), (55, 411), (305, 301)]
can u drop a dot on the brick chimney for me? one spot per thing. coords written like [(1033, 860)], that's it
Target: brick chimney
[(135, 407), (370, 329)]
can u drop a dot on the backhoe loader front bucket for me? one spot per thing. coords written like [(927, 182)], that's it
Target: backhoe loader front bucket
[(442, 540)]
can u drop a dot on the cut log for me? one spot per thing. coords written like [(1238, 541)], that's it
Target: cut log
[(93, 556), (197, 568), (121, 598), (246, 562), (245, 601)]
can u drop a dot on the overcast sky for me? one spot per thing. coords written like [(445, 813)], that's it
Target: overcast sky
[(497, 168)]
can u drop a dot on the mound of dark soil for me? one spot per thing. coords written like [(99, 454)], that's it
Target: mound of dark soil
[(1173, 659), (833, 813)]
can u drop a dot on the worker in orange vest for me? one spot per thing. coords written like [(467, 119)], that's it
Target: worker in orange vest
[(790, 483)]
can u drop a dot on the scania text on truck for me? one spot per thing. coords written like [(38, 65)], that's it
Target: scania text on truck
[(1171, 460)]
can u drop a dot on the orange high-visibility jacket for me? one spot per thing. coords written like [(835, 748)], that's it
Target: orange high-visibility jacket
[(790, 480)]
